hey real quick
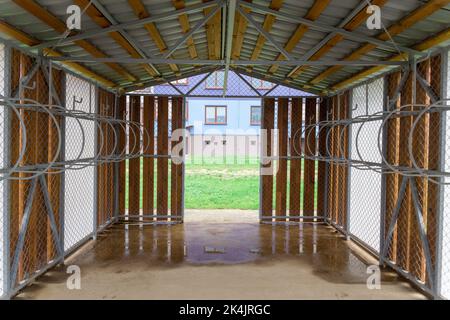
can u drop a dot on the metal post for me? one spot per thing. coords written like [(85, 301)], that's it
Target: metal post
[(349, 150), (6, 213), (441, 206), (63, 158), (96, 110), (183, 117), (383, 173)]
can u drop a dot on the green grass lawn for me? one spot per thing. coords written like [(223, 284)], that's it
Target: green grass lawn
[(230, 185)]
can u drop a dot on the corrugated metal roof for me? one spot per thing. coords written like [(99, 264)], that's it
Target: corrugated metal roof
[(281, 31)]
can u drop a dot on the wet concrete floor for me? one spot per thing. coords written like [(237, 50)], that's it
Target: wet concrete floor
[(215, 258)]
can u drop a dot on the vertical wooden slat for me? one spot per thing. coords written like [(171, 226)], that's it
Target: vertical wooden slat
[(309, 170), (405, 216), (54, 180), (176, 169), (322, 165), (281, 179), (343, 179), (392, 156), (296, 164), (420, 151), (162, 174), (434, 151), (149, 167), (266, 147), (15, 147), (134, 164)]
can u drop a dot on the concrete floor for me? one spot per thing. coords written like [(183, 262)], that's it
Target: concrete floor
[(220, 255)]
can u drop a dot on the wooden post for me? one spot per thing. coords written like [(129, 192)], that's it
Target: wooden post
[(281, 182), (310, 165), (162, 174), (266, 147), (296, 164), (149, 167)]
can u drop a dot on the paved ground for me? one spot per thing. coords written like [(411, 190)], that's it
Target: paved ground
[(220, 255)]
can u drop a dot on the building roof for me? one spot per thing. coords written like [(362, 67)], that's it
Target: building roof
[(135, 43)]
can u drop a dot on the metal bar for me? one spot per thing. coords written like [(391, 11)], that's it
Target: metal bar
[(249, 84), (25, 80), (22, 232), (175, 87), (271, 90), (51, 217), (422, 232), (199, 83), (125, 34), (6, 213), (399, 89), (349, 168), (327, 28), (383, 175), (188, 34), (441, 199), (291, 217), (96, 146), (426, 86), (229, 42), (135, 24), (394, 217), (293, 62), (62, 198), (265, 33), (347, 19)]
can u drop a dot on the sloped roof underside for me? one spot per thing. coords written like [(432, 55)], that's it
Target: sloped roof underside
[(208, 42)]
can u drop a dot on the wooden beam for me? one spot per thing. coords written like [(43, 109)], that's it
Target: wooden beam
[(45, 16), (281, 178), (425, 45), (213, 33), (185, 26), (240, 26), (24, 38), (141, 12), (313, 13), (267, 124), (269, 20), (417, 15), (103, 22), (353, 24)]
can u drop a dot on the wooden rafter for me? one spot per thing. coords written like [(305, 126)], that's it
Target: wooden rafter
[(417, 15), (42, 14), (360, 18), (213, 33), (185, 26), (269, 20), (313, 13), (142, 13), (103, 22), (240, 26), (24, 38), (425, 45)]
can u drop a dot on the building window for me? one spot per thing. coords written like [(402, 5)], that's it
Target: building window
[(255, 115), (215, 115), (215, 80), (261, 84)]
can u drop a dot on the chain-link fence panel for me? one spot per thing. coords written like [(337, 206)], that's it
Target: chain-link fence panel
[(79, 205), (365, 205), (444, 266), (3, 164)]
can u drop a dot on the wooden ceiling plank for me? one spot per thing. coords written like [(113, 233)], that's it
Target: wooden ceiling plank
[(314, 12), (417, 15), (103, 22), (142, 13), (185, 27), (269, 20), (26, 39), (240, 26), (425, 45), (45, 16), (357, 20)]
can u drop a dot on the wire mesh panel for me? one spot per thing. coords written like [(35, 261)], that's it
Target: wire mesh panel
[(79, 206), (365, 204), (445, 223), (3, 164), (34, 196)]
